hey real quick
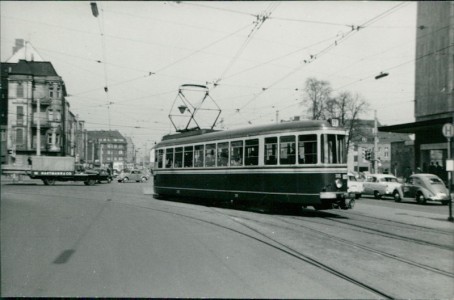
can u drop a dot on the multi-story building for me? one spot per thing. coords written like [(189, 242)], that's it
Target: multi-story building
[(38, 119), (106, 147), (434, 84)]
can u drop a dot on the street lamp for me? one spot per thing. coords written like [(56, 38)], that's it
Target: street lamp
[(381, 75)]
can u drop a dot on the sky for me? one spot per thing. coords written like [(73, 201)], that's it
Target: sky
[(253, 57)]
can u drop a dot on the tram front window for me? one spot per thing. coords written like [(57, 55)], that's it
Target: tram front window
[(159, 158), (333, 149)]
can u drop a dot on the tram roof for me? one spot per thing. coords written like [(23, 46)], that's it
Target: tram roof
[(203, 135)]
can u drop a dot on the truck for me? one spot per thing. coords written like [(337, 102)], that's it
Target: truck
[(63, 168)]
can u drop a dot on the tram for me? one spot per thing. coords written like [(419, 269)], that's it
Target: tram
[(299, 163)]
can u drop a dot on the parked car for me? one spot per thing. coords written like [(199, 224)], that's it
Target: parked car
[(379, 185), (103, 174), (423, 188), (355, 186), (132, 175)]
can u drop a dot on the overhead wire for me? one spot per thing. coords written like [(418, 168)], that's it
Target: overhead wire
[(260, 19), (342, 38)]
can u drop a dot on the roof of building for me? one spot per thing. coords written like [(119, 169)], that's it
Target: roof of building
[(106, 134), (36, 68)]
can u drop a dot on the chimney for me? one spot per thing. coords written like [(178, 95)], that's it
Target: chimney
[(19, 45)]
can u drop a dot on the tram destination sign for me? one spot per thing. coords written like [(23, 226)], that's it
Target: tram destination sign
[(448, 130)]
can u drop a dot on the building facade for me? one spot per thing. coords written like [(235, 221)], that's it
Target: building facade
[(434, 84), (36, 117), (105, 148)]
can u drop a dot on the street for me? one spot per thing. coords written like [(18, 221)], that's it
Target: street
[(115, 240)]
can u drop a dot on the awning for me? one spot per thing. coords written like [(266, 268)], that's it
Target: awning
[(416, 126)]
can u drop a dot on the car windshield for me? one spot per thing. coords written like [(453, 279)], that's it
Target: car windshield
[(389, 179)]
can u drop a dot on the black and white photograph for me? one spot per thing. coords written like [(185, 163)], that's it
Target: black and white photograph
[(227, 149)]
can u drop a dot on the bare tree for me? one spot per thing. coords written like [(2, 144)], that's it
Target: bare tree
[(347, 108), (316, 95)]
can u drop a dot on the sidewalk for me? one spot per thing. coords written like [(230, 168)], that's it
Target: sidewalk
[(407, 216)]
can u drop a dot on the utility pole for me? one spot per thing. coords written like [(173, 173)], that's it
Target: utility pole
[(375, 142), (38, 127)]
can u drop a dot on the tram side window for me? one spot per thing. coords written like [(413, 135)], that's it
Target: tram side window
[(333, 149), (160, 158), (287, 150), (178, 157), (236, 153), (169, 158), (251, 152), (271, 151), (223, 154), (210, 155), (198, 156), (307, 149), (188, 156)]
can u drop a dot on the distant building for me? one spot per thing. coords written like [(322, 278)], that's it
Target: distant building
[(364, 141), (434, 84), (106, 147)]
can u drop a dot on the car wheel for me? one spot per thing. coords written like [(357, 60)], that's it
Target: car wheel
[(144, 179), (446, 202), (396, 196), (377, 195), (125, 179), (420, 198)]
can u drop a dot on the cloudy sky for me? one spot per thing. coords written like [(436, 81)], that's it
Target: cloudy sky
[(254, 57)]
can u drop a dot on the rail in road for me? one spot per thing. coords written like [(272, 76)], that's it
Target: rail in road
[(370, 252)]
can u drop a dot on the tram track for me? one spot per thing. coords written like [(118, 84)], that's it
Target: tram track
[(270, 242), (376, 251), (264, 239), (349, 243), (375, 231)]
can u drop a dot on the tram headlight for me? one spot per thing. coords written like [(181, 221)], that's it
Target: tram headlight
[(338, 183)]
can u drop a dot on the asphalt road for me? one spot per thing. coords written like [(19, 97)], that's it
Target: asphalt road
[(115, 240)]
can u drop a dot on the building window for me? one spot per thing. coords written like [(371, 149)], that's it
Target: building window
[(19, 136), (51, 92), (20, 115), (20, 90)]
